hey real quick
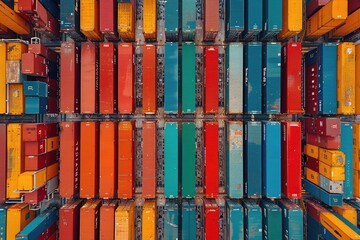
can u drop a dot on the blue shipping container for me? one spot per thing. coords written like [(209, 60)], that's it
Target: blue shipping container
[(188, 229), (253, 18), (272, 220), (9, 3), (70, 18), (346, 146), (35, 89), (36, 105), (188, 72), (171, 19), (252, 220), (331, 199), (188, 20), (188, 160), (52, 7), (171, 160), (171, 220), (271, 159), (3, 209), (235, 220), (171, 78), (292, 218), (272, 18), (234, 19)]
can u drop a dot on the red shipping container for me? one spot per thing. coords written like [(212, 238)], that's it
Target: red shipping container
[(36, 162), (353, 5), (108, 160), (211, 220), (52, 157), (70, 78), (211, 23), (35, 148), (69, 220), (108, 18), (108, 98), (89, 220), (53, 105), (89, 159), (312, 164), (40, 49), (314, 5), (53, 237), (314, 209), (149, 79), (323, 141), (48, 233), (291, 159), (126, 160), (291, 78), (125, 78), (33, 65), (328, 126), (52, 27), (26, 6), (69, 159), (3, 162), (36, 196), (312, 98), (107, 215), (33, 131), (309, 125), (211, 141), (149, 160), (89, 78), (211, 84)]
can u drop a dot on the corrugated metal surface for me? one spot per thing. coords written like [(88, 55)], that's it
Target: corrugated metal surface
[(149, 79), (125, 78), (188, 76), (211, 80), (171, 160), (171, 78), (149, 160), (211, 142)]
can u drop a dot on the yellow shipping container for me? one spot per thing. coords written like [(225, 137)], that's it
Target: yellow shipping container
[(312, 176), (16, 99), (348, 212), (124, 221), (2, 78), (15, 158), (52, 143), (337, 227), (356, 182), (29, 181), (15, 50), (52, 171), (126, 21), (333, 158), (12, 20), (89, 19), (149, 19), (346, 78), (351, 24), (17, 217), (357, 78), (292, 18), (149, 220), (332, 173), (312, 151)]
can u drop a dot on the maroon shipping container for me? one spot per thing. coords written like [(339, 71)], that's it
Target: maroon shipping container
[(353, 5), (70, 78), (69, 159), (40, 49), (314, 209), (89, 78), (48, 233), (37, 162), (33, 131), (33, 65), (323, 141), (312, 96), (69, 220), (52, 130), (52, 27), (3, 162), (108, 77), (328, 126), (108, 18), (35, 148), (36, 196), (291, 159), (312, 163), (211, 23), (309, 125), (314, 5), (53, 105), (125, 78), (149, 160)]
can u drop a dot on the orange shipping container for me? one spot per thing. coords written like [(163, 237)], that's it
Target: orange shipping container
[(125, 78), (126, 21), (2, 78), (292, 18), (12, 20), (89, 220), (149, 19), (15, 50), (351, 24), (16, 98), (17, 217), (89, 19), (52, 171), (149, 160), (108, 159), (89, 159), (149, 220), (211, 23), (107, 215), (149, 79), (357, 78), (124, 221)]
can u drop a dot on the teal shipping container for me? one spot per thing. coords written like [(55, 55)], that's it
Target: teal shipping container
[(234, 78), (36, 105), (188, 75), (171, 78), (188, 230), (253, 18), (252, 220), (271, 159), (234, 160), (253, 78), (272, 220), (188, 20), (331, 199), (234, 19), (171, 220), (188, 160), (235, 220), (292, 220), (3, 210), (70, 19), (253, 159), (271, 86), (272, 18), (35, 89), (171, 160), (171, 19)]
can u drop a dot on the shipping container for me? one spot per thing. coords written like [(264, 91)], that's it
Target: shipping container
[(211, 165), (188, 19), (312, 6), (271, 85), (171, 78), (348, 212), (3, 162), (272, 18), (234, 19), (338, 226), (90, 219), (3, 97), (327, 126), (188, 75), (211, 19), (69, 159), (332, 173), (312, 163), (126, 21), (333, 158), (252, 220), (346, 78), (3, 211), (292, 14), (188, 220), (108, 160), (15, 50), (272, 220), (107, 215), (188, 159), (18, 217), (108, 78), (70, 19), (124, 221), (350, 25), (33, 65), (13, 72), (148, 221), (291, 78), (234, 78), (234, 159), (253, 78), (253, 159), (16, 99), (171, 220), (35, 147), (30, 181), (35, 89), (69, 220), (331, 199), (89, 19), (149, 159), (70, 77), (235, 220), (253, 18), (211, 221), (15, 159), (291, 159), (149, 19), (36, 105), (312, 176), (357, 79), (346, 146), (271, 160), (89, 92), (356, 145), (311, 151), (171, 160), (171, 19), (331, 186), (125, 78), (292, 220), (354, 204), (149, 79), (108, 19), (211, 78), (40, 49), (13, 21), (36, 196)]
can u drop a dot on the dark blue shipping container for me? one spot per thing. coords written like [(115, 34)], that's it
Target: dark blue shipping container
[(253, 18), (52, 7), (272, 18), (234, 19), (292, 220)]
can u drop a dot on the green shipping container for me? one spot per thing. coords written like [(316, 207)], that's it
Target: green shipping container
[(171, 220), (188, 230), (188, 20), (188, 72), (171, 160), (292, 217), (188, 160), (272, 227), (252, 220)]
